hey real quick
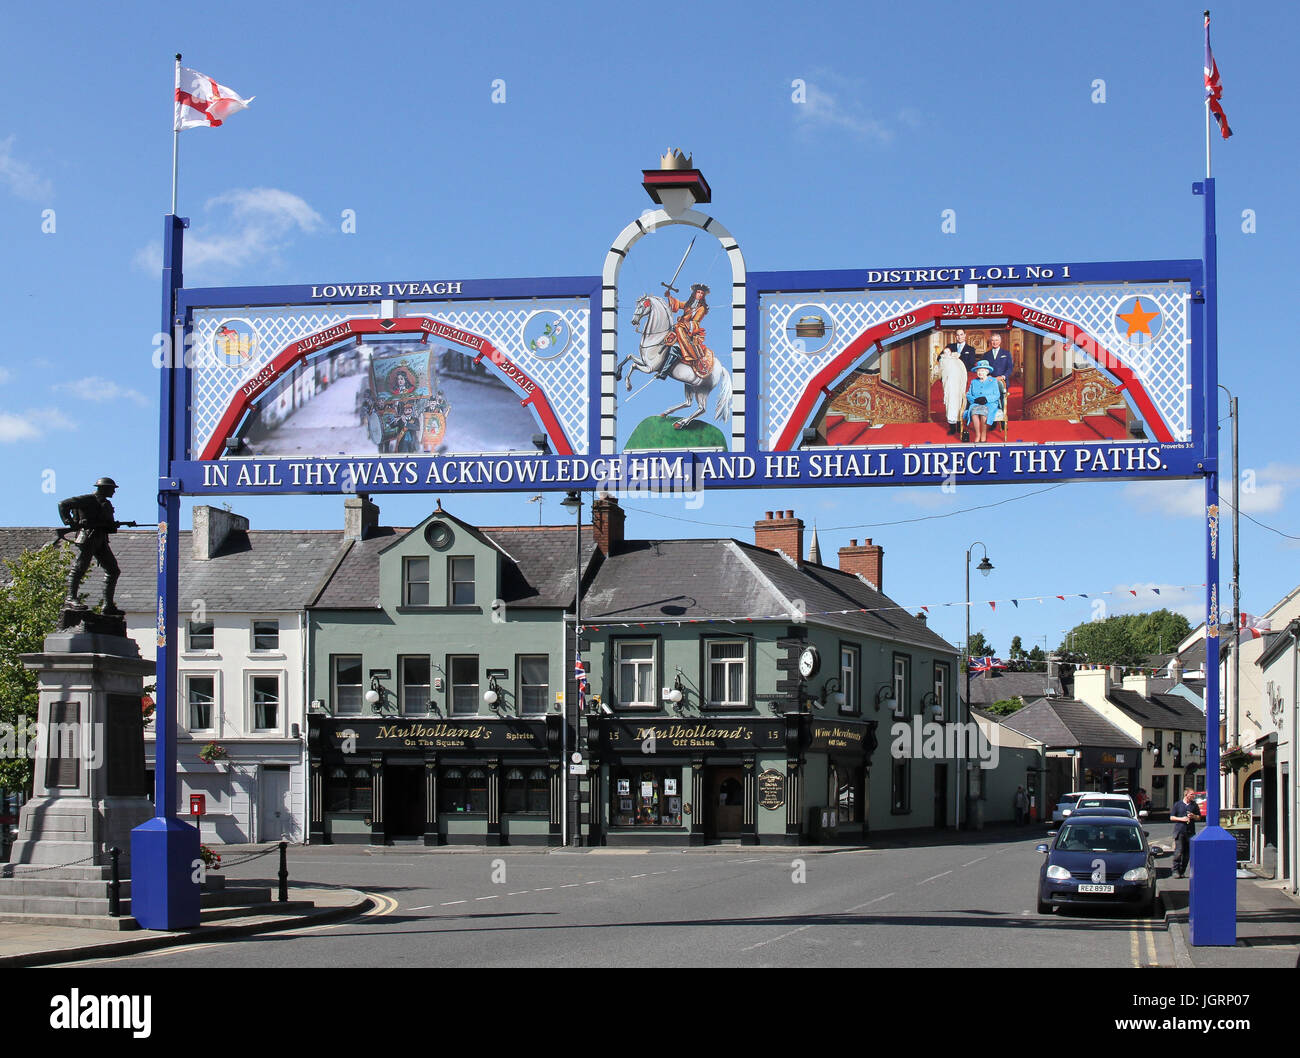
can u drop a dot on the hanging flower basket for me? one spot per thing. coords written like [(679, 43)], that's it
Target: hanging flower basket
[(213, 752), (147, 708)]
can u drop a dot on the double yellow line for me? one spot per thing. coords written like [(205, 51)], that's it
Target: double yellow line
[(1140, 931)]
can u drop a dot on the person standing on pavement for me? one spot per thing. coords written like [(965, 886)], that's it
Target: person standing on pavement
[(1022, 805), (1183, 816)]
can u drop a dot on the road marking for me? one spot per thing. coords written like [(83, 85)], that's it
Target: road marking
[(1151, 943), (638, 876), (973, 862), (450, 902), (594, 882), (791, 933), (660, 872), (570, 885), (423, 907), (521, 892), (933, 877), (544, 889), (1133, 947), (870, 902), (497, 897)]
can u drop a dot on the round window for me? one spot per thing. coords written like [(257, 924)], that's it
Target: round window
[(439, 536)]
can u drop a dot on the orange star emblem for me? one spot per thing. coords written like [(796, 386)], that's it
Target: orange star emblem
[(1138, 321)]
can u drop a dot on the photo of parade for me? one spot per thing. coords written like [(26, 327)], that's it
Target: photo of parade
[(978, 385), (397, 397)]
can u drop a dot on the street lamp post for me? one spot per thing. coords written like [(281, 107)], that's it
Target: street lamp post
[(985, 567), (573, 502)]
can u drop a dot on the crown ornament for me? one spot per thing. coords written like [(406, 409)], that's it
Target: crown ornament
[(675, 159)]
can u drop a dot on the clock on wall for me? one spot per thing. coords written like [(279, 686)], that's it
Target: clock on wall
[(809, 662)]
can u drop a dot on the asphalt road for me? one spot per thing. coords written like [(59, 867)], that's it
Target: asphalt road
[(968, 904)]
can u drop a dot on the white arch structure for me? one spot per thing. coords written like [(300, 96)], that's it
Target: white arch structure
[(627, 238)]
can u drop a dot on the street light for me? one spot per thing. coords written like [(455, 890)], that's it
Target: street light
[(572, 502), (985, 567)]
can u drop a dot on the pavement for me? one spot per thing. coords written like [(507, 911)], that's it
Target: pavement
[(1268, 927), (23, 944)]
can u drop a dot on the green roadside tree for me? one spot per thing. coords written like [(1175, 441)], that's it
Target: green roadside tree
[(1128, 639), (30, 599)]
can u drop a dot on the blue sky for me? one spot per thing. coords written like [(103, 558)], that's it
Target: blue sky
[(911, 110)]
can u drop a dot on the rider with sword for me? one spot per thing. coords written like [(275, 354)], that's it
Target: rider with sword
[(688, 343)]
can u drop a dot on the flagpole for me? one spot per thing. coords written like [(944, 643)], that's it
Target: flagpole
[(176, 134), (1207, 115)]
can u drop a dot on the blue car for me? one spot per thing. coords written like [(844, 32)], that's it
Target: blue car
[(1098, 860)]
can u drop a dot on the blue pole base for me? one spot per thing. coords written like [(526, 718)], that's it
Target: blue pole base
[(164, 863), (1213, 895)]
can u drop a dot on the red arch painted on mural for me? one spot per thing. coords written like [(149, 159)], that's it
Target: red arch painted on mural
[(927, 316), (349, 330)]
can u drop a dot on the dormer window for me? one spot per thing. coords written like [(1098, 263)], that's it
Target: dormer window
[(415, 581), (460, 581)]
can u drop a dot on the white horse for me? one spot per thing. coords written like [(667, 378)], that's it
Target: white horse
[(655, 339)]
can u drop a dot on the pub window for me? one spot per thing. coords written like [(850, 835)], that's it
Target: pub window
[(464, 683), (534, 682), (413, 684), (348, 689), (900, 796), (941, 687), (842, 793), (462, 790), (646, 797), (201, 698), (266, 635), (199, 635), (850, 664), (901, 705), (726, 661), (266, 702), (635, 665), (348, 789), (527, 791), (460, 581), (415, 582)]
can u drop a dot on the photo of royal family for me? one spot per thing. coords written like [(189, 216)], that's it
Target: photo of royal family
[(975, 385)]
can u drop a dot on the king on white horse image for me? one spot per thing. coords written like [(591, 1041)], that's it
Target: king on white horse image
[(675, 349)]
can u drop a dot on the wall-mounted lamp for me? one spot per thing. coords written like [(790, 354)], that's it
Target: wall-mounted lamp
[(930, 701), (676, 694), (377, 696), (833, 695), (885, 696), (492, 697)]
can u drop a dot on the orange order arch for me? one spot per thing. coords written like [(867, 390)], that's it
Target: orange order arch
[(928, 316), (351, 329)]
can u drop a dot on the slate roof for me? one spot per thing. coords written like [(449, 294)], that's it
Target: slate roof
[(256, 571), (537, 567), (1171, 712), (985, 690), (663, 579), (1065, 723)]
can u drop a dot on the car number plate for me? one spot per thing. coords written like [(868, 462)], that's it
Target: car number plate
[(1087, 887)]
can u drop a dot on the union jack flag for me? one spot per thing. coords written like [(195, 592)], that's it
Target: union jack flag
[(1213, 85), (580, 676), (986, 664)]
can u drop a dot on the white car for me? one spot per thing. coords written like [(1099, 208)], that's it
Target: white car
[(1110, 800)]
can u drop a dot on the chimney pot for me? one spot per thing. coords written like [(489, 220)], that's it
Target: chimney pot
[(360, 516), (212, 527), (783, 533), (607, 520), (865, 560)]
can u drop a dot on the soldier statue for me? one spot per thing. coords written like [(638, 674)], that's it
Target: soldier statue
[(91, 518)]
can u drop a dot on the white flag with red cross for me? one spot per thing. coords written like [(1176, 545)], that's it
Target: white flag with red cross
[(202, 103)]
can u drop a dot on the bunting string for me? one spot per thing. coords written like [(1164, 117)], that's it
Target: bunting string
[(597, 625)]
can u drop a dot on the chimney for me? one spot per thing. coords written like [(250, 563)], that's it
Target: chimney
[(607, 519), (1092, 684), (212, 526), (783, 533), (1176, 670), (866, 560), (923, 617), (360, 516)]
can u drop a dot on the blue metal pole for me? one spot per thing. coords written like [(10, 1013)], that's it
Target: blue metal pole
[(1213, 890), (165, 850)]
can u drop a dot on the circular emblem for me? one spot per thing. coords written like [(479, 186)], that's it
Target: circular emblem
[(1138, 320), (810, 328), (546, 334), (234, 342)]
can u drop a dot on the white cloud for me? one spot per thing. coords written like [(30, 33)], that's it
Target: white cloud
[(251, 225), (835, 108), (1263, 490), (28, 426), (101, 390), (4, 375), (22, 179)]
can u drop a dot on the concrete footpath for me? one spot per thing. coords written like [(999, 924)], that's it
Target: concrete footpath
[(26, 944), (1268, 927)]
